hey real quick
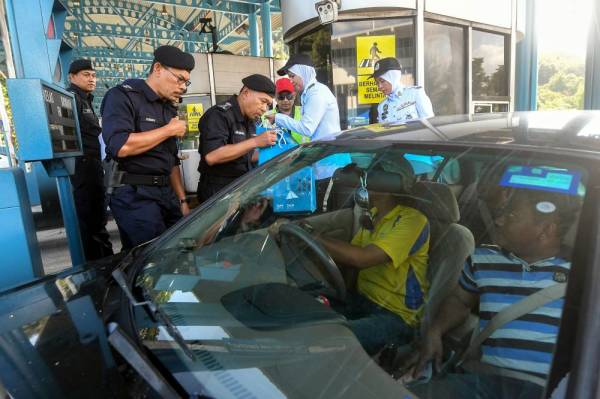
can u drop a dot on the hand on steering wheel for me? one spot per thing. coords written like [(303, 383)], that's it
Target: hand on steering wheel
[(334, 274)]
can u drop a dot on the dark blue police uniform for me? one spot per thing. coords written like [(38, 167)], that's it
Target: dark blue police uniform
[(144, 205), (221, 125), (87, 182)]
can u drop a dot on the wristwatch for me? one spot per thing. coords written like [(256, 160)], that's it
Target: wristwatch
[(183, 201)]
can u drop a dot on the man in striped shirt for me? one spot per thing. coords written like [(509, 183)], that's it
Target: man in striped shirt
[(525, 259)]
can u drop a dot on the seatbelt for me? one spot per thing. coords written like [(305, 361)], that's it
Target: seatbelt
[(508, 314)]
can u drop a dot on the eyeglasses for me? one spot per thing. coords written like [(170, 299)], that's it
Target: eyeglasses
[(289, 96), (180, 79)]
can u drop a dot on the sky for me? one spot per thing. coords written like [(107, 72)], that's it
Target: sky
[(563, 26)]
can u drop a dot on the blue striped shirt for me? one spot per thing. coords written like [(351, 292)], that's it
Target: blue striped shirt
[(501, 279)]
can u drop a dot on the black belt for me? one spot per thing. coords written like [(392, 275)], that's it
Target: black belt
[(145, 180), (217, 179)]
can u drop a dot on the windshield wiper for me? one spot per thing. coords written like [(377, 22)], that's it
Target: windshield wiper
[(156, 313)]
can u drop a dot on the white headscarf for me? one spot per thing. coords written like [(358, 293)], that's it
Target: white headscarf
[(393, 76), (307, 73)]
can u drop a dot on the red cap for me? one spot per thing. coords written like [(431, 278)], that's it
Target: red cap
[(284, 84)]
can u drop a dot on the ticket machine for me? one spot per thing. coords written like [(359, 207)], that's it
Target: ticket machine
[(47, 129)]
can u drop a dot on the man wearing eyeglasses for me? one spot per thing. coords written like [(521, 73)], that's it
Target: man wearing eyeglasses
[(87, 182), (140, 129)]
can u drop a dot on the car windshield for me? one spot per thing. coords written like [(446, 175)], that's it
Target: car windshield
[(323, 272)]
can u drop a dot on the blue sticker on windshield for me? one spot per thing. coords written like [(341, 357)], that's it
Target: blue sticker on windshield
[(542, 178)]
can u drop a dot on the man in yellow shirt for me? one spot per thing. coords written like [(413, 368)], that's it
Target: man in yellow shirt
[(391, 253)]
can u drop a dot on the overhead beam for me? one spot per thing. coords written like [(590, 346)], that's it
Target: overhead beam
[(227, 7), (108, 53), (96, 29), (124, 9)]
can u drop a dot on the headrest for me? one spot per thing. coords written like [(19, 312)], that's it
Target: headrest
[(439, 201), (376, 180), (436, 200)]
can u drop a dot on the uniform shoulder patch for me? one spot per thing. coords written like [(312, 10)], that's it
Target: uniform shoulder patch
[(225, 106), (126, 86)]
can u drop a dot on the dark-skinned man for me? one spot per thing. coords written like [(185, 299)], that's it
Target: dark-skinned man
[(228, 139), (88, 180), (516, 356), (140, 129)]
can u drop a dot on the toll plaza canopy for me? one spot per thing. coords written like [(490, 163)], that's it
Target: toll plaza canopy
[(119, 36)]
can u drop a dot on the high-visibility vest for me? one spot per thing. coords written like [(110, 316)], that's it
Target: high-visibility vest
[(295, 135)]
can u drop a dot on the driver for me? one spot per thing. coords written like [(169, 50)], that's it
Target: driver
[(526, 259), (390, 253)]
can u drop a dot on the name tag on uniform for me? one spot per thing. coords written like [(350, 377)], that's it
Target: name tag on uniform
[(239, 133), (148, 119)]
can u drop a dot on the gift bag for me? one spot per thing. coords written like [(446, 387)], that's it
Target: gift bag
[(284, 142), (295, 193)]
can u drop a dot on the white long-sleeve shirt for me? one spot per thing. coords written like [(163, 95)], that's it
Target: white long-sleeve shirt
[(320, 114)]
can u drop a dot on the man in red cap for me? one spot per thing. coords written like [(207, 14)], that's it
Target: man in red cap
[(286, 97)]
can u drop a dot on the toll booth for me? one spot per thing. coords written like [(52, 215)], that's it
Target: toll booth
[(47, 130)]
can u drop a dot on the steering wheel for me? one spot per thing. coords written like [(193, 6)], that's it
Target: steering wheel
[(335, 276)]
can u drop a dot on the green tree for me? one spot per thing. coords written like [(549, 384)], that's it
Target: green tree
[(561, 82)]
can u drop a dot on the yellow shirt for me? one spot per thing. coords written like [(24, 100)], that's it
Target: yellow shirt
[(399, 285)]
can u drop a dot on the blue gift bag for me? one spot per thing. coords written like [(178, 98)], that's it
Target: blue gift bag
[(284, 143), (295, 193)]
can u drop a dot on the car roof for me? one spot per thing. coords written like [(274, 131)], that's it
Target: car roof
[(577, 131)]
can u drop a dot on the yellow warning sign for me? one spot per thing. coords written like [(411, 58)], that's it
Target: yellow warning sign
[(194, 113), (369, 50)]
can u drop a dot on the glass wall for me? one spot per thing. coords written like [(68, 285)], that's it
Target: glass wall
[(489, 64), (318, 45), (355, 47), (445, 69)]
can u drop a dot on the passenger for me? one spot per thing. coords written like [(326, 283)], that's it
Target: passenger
[(228, 139), (391, 256), (525, 259), (88, 180), (140, 129), (401, 103), (320, 113)]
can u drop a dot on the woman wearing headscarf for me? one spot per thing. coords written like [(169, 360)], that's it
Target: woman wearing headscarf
[(320, 114), (401, 103)]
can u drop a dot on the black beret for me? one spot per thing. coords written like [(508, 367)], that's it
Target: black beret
[(384, 65), (81, 65), (296, 59), (260, 83), (171, 56)]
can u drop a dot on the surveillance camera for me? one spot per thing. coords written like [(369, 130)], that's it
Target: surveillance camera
[(327, 10)]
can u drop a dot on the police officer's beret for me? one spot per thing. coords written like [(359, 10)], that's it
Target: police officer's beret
[(81, 65), (171, 56), (296, 59), (384, 65), (260, 83)]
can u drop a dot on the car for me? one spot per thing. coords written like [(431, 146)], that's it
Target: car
[(241, 298)]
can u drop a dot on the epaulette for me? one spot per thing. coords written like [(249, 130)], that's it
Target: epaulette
[(226, 106)]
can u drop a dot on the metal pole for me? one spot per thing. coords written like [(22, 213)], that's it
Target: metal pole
[(265, 17), (253, 34), (67, 206), (527, 64), (592, 62)]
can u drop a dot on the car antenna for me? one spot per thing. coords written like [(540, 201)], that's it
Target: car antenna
[(157, 313)]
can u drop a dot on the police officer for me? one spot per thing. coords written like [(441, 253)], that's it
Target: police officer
[(228, 139), (140, 129), (87, 182), (401, 103)]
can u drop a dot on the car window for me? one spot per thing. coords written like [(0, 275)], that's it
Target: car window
[(333, 269)]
